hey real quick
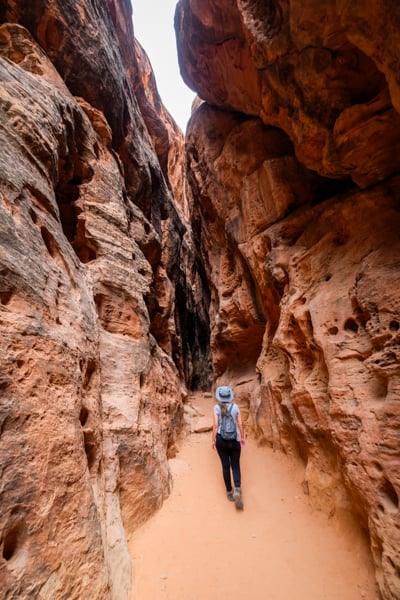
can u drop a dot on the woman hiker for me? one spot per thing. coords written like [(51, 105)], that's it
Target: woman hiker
[(227, 438)]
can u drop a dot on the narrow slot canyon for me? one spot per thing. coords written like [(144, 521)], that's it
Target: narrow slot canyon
[(141, 267), (278, 547)]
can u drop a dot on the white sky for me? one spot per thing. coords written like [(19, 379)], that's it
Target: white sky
[(153, 23)]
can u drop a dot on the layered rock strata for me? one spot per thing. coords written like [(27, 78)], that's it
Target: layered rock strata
[(100, 331), (293, 165)]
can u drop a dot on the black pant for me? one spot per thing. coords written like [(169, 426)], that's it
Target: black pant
[(229, 453)]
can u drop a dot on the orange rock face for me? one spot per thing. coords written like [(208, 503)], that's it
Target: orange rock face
[(100, 331), (293, 164)]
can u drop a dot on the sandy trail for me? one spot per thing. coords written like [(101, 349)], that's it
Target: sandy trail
[(199, 547)]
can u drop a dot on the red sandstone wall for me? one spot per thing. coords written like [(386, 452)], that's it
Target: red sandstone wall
[(99, 328), (293, 164)]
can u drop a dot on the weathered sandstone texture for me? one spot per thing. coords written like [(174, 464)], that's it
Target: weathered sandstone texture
[(103, 325), (293, 164)]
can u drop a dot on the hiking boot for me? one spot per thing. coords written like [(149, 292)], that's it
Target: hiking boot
[(237, 497), (230, 496)]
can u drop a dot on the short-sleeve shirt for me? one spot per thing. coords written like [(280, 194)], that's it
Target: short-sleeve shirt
[(234, 412)]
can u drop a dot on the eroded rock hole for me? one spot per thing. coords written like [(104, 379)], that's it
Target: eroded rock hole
[(142, 379), (90, 447), (48, 240), (4, 383), (351, 326), (362, 315), (73, 172), (5, 297), (389, 497), (33, 216), (85, 253), (265, 18), (380, 387), (333, 330), (90, 369), (67, 193), (394, 326), (98, 300), (83, 415), (11, 542), (326, 188)]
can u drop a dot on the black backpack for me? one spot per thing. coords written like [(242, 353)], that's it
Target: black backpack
[(228, 425)]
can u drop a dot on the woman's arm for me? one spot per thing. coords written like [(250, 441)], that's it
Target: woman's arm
[(241, 429), (215, 429)]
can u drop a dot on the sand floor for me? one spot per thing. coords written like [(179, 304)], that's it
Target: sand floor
[(199, 547)]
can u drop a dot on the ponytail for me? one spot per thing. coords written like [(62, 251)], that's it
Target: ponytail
[(223, 408)]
